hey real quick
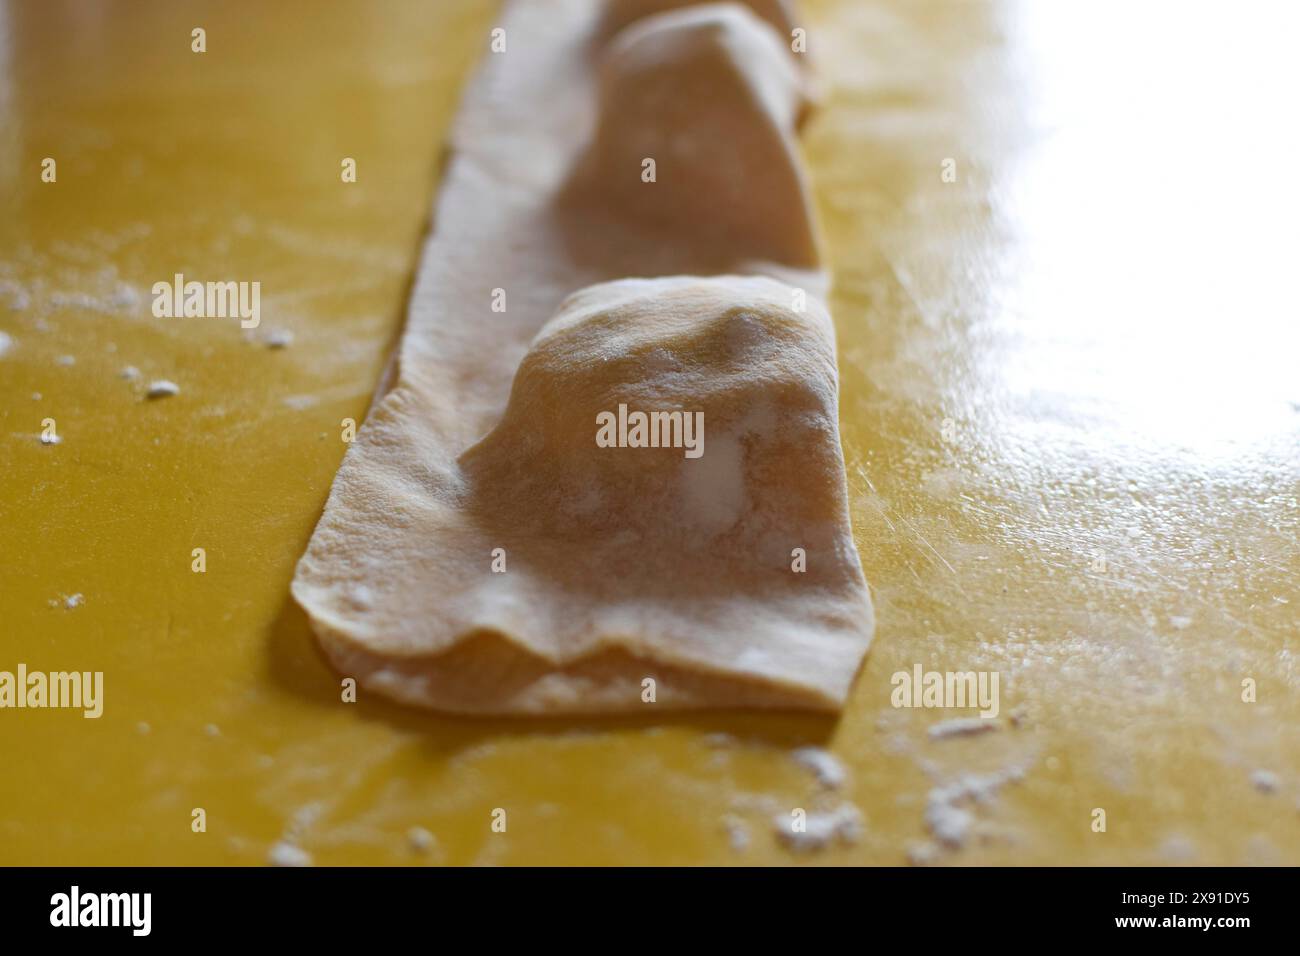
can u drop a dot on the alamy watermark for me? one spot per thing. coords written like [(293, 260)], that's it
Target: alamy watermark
[(75, 908), (651, 430), (78, 690), (946, 689), (208, 300)]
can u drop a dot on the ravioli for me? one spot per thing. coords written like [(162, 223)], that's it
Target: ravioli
[(604, 473)]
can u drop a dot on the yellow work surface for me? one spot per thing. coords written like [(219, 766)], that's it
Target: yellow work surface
[(1063, 237)]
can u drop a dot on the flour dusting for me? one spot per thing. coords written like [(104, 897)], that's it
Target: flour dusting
[(737, 833), (420, 840), (961, 727), (949, 813), (842, 825), (283, 853), (1265, 781), (823, 764)]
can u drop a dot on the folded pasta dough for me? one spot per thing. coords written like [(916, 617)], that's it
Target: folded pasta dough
[(506, 535)]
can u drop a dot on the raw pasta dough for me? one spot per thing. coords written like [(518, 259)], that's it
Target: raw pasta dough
[(480, 551)]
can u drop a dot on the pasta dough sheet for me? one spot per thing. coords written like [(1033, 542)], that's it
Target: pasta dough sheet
[(507, 535)]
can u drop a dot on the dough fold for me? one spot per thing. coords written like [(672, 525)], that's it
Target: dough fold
[(490, 546)]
